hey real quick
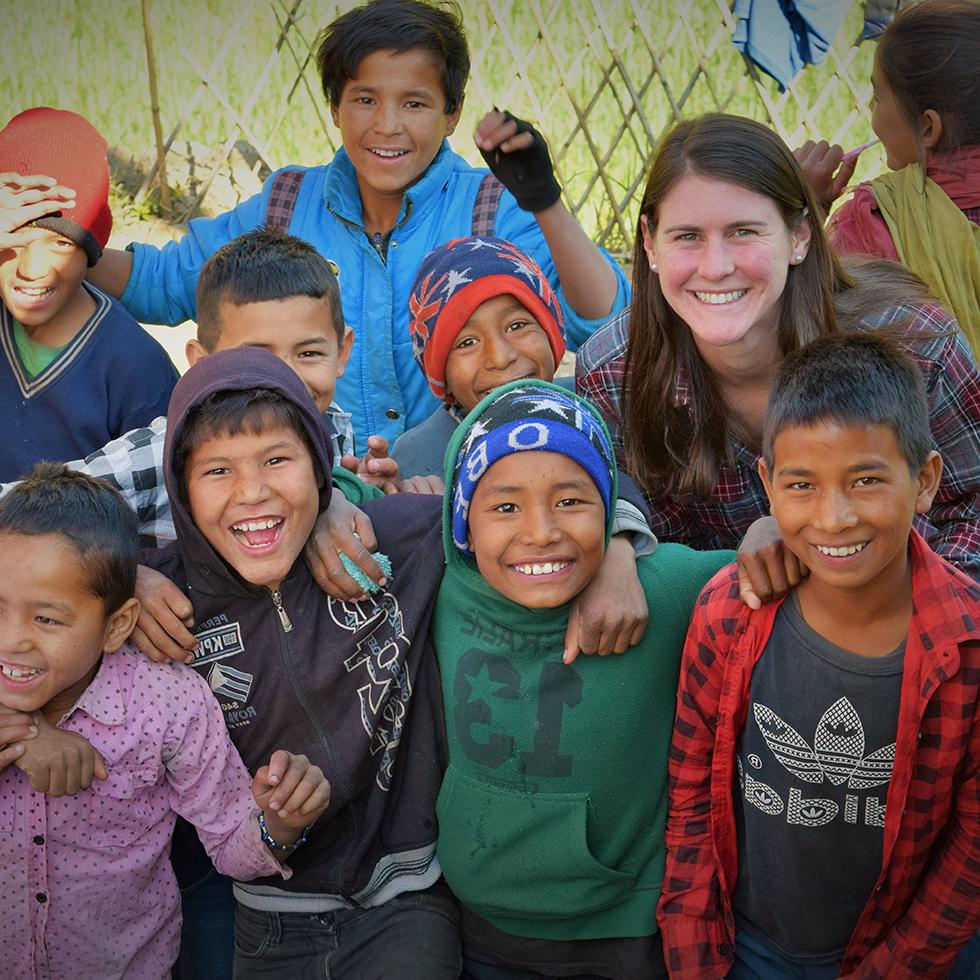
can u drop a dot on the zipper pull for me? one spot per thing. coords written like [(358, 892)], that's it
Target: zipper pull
[(287, 626)]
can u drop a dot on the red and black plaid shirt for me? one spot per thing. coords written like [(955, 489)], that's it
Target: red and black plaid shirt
[(926, 903)]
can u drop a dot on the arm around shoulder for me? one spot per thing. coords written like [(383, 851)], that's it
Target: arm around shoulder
[(161, 283)]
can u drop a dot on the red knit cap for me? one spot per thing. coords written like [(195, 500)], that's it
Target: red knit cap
[(67, 147), (452, 282)]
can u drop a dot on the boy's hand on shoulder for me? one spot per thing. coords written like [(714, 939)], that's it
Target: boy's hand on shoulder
[(376, 466), (767, 569), (24, 198), (518, 157), (292, 793), (16, 727), (342, 527), (59, 763), (162, 630), (610, 615)]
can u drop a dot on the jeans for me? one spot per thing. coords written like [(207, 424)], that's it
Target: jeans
[(478, 970), (207, 934), (756, 961), (208, 929), (414, 936)]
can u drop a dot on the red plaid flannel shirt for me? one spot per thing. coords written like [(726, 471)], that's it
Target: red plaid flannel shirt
[(926, 903)]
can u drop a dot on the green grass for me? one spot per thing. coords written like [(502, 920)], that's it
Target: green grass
[(89, 56)]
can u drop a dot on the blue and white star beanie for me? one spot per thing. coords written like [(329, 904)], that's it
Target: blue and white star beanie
[(528, 416)]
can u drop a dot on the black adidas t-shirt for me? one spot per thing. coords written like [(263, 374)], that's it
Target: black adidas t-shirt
[(814, 764)]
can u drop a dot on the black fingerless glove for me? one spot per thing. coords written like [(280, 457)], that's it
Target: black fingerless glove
[(528, 174)]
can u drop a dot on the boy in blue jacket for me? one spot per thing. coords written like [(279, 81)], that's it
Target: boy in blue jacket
[(393, 72)]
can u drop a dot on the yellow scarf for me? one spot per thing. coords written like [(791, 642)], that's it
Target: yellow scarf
[(935, 240)]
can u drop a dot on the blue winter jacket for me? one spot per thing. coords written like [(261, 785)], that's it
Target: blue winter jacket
[(382, 388)]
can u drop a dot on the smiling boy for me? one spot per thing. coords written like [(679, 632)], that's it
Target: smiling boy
[(551, 814), (352, 685), (393, 72), (846, 717), (483, 315), (88, 888), (75, 370)]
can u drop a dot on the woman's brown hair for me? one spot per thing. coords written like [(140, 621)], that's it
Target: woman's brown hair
[(682, 448)]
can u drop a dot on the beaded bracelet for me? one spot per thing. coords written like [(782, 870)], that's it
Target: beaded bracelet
[(270, 841)]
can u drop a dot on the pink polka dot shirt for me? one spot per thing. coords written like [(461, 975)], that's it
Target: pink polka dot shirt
[(86, 882)]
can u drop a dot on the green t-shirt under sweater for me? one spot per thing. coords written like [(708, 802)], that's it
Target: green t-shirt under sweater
[(552, 812), (33, 356)]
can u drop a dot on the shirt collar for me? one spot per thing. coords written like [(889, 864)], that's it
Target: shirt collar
[(946, 599), (343, 197), (102, 700)]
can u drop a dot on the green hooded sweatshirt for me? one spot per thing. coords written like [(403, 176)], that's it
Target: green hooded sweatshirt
[(552, 811)]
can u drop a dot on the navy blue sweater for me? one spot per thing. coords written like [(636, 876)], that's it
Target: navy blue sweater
[(112, 377)]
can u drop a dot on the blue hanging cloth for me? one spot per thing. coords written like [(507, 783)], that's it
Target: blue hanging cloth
[(783, 36)]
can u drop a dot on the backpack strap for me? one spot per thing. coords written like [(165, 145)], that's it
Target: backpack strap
[(282, 199), (485, 207)]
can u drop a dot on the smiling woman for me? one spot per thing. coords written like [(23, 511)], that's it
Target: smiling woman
[(730, 274)]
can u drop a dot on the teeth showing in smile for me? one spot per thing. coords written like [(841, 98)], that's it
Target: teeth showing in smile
[(34, 290), (840, 552), (546, 569), (19, 673), (389, 154), (256, 525), (719, 299), (257, 534)]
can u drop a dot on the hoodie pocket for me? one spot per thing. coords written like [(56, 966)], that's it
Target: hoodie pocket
[(527, 854)]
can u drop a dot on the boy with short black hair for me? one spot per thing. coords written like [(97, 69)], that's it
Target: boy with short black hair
[(354, 685), (88, 888), (860, 688), (394, 73), (76, 370), (264, 289), (552, 812)]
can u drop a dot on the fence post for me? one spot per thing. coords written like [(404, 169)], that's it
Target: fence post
[(155, 110)]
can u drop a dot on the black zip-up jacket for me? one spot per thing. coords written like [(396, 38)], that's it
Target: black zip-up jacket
[(354, 686)]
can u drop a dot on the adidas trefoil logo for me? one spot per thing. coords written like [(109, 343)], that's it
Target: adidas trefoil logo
[(838, 748)]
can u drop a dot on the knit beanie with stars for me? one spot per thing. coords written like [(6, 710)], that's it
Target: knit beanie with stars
[(526, 416), (67, 147), (455, 279)]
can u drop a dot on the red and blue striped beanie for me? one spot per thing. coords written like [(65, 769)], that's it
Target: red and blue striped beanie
[(455, 279)]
